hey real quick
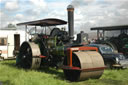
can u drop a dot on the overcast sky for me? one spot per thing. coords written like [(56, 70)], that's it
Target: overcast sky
[(88, 13)]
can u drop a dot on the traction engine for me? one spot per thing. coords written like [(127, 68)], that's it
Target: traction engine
[(60, 50)]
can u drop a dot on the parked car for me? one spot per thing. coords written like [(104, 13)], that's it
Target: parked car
[(111, 59)]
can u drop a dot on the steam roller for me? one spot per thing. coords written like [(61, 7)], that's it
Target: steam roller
[(58, 49)]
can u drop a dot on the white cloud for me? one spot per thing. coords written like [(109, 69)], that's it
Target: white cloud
[(58, 5), (78, 16), (19, 16), (1, 13), (37, 9), (100, 13), (78, 3), (11, 5), (4, 19), (1, 1), (88, 13), (56, 14), (39, 3)]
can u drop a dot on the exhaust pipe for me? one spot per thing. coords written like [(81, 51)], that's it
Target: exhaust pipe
[(70, 10)]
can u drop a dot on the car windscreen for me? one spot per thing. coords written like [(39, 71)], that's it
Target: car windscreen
[(106, 49)]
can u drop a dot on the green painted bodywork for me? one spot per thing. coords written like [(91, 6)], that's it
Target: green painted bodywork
[(58, 50), (56, 47)]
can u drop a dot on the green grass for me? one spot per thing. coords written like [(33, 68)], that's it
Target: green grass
[(11, 75)]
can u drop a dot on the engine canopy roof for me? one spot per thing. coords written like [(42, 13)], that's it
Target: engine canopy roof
[(44, 22), (110, 28)]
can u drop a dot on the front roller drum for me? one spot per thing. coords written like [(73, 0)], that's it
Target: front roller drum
[(28, 57), (90, 63)]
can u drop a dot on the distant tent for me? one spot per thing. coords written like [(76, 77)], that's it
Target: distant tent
[(9, 27)]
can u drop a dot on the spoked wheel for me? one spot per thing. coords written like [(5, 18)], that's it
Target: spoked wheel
[(28, 57)]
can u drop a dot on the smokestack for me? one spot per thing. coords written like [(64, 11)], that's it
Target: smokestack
[(70, 10)]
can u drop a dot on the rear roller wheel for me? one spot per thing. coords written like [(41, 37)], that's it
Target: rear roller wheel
[(28, 57)]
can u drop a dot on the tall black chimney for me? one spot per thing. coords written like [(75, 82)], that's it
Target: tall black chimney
[(70, 10)]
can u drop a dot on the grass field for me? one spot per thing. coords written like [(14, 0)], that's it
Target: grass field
[(11, 75)]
